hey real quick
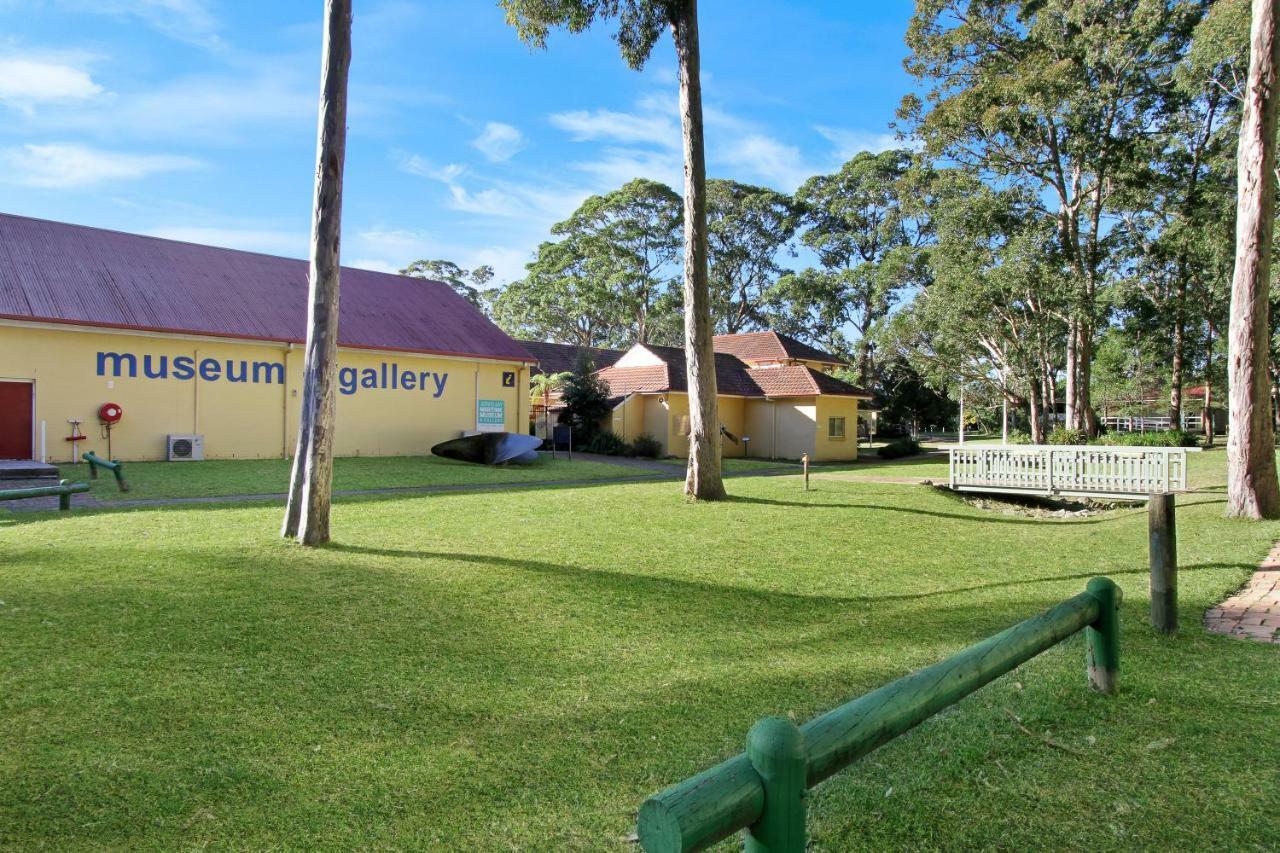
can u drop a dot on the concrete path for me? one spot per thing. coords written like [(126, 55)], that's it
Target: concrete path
[(1254, 611)]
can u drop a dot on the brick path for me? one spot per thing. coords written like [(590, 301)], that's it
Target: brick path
[(1254, 611)]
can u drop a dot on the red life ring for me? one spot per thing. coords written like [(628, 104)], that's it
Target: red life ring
[(110, 413)]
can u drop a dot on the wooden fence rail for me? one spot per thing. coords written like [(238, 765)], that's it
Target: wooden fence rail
[(1075, 470), (762, 790), (95, 462)]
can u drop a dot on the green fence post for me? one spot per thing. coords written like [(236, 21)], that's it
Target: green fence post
[(775, 748), (64, 497), (1103, 636)]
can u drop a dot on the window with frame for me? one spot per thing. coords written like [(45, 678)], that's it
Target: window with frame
[(835, 427)]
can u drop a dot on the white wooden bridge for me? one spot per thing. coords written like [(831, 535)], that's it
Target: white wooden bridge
[(1089, 471)]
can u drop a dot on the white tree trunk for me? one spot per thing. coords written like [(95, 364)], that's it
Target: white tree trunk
[(311, 483), (703, 480), (1252, 490)]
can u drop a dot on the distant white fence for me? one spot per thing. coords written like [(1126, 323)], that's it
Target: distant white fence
[(1074, 470), (1126, 423)]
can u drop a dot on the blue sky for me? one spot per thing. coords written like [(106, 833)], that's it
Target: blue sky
[(195, 119)]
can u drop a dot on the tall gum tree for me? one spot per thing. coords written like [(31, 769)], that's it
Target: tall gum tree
[(1252, 489), (306, 515), (640, 25), (1052, 95)]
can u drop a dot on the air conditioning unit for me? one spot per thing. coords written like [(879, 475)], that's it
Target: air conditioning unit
[(185, 448)]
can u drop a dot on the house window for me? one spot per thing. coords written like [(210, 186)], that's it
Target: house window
[(835, 427)]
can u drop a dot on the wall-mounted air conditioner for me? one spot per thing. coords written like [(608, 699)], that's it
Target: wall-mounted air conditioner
[(185, 448)]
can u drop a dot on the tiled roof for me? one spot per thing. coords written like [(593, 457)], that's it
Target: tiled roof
[(733, 378), (797, 380), (770, 346), (563, 358), (59, 273)]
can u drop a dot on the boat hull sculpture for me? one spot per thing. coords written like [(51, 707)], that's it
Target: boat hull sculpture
[(490, 448)]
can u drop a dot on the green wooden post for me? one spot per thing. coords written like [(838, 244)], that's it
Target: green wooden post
[(1162, 546), (64, 497), (1103, 636), (775, 748)]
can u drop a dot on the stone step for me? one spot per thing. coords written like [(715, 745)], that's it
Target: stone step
[(26, 469)]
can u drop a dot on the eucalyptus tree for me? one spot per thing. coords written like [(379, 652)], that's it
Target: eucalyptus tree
[(1054, 96), (559, 300), (1252, 488), (628, 241), (992, 314), (640, 25), (868, 244), (468, 284), (306, 516), (748, 229)]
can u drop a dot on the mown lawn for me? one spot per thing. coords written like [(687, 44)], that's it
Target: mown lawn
[(518, 670), (215, 478)]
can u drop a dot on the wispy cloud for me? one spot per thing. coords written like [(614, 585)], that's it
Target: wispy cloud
[(66, 165), (649, 126), (189, 21), (392, 249), (497, 198), (499, 142), (26, 81), (851, 141), (762, 156)]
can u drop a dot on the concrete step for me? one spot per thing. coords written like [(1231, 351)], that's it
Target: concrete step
[(26, 469)]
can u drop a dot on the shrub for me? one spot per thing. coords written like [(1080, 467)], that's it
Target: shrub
[(586, 403), (1018, 436), (1062, 435), (647, 446), (899, 448), (609, 444), (1172, 438)]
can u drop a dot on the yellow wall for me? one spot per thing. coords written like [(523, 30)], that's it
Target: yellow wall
[(241, 419), (677, 425), (732, 411), (628, 418), (842, 450)]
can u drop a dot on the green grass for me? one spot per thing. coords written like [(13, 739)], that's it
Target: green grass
[(215, 478), (737, 466), (518, 670)]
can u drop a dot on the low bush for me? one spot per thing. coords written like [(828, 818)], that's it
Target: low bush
[(899, 448), (647, 446), (607, 443), (1062, 435), (1018, 436), (1171, 438)]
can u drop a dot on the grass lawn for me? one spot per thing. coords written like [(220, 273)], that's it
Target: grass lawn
[(737, 466), (518, 670), (215, 478)]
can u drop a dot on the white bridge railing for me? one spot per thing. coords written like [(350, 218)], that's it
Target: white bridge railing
[(1075, 470)]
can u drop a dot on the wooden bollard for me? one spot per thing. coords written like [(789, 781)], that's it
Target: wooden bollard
[(775, 748), (1102, 638), (804, 460), (1162, 543)]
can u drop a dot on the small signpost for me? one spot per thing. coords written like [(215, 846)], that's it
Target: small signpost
[(804, 460)]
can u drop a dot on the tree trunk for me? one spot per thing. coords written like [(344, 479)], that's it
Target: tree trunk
[(1085, 416), (1252, 489), (1037, 427), (1175, 375), (311, 483), (1072, 419), (703, 481), (1206, 415)]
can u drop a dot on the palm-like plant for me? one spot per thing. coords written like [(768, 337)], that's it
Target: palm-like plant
[(541, 386)]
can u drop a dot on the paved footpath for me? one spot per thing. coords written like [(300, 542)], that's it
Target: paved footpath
[(1254, 611)]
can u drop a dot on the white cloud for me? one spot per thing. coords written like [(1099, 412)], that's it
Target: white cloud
[(26, 81), (189, 21), (499, 199), (396, 248), (765, 157), (651, 126), (499, 142), (375, 264), (66, 165), (850, 141), (616, 166), (266, 240)]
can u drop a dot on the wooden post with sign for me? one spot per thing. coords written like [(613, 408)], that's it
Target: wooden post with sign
[(804, 460)]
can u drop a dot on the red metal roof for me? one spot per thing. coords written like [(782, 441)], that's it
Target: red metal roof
[(60, 273)]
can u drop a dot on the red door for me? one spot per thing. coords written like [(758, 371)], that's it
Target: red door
[(15, 420)]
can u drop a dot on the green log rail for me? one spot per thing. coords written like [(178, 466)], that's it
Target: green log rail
[(95, 462), (763, 789), (64, 490)]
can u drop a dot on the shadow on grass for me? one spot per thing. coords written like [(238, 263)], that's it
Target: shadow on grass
[(646, 584)]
